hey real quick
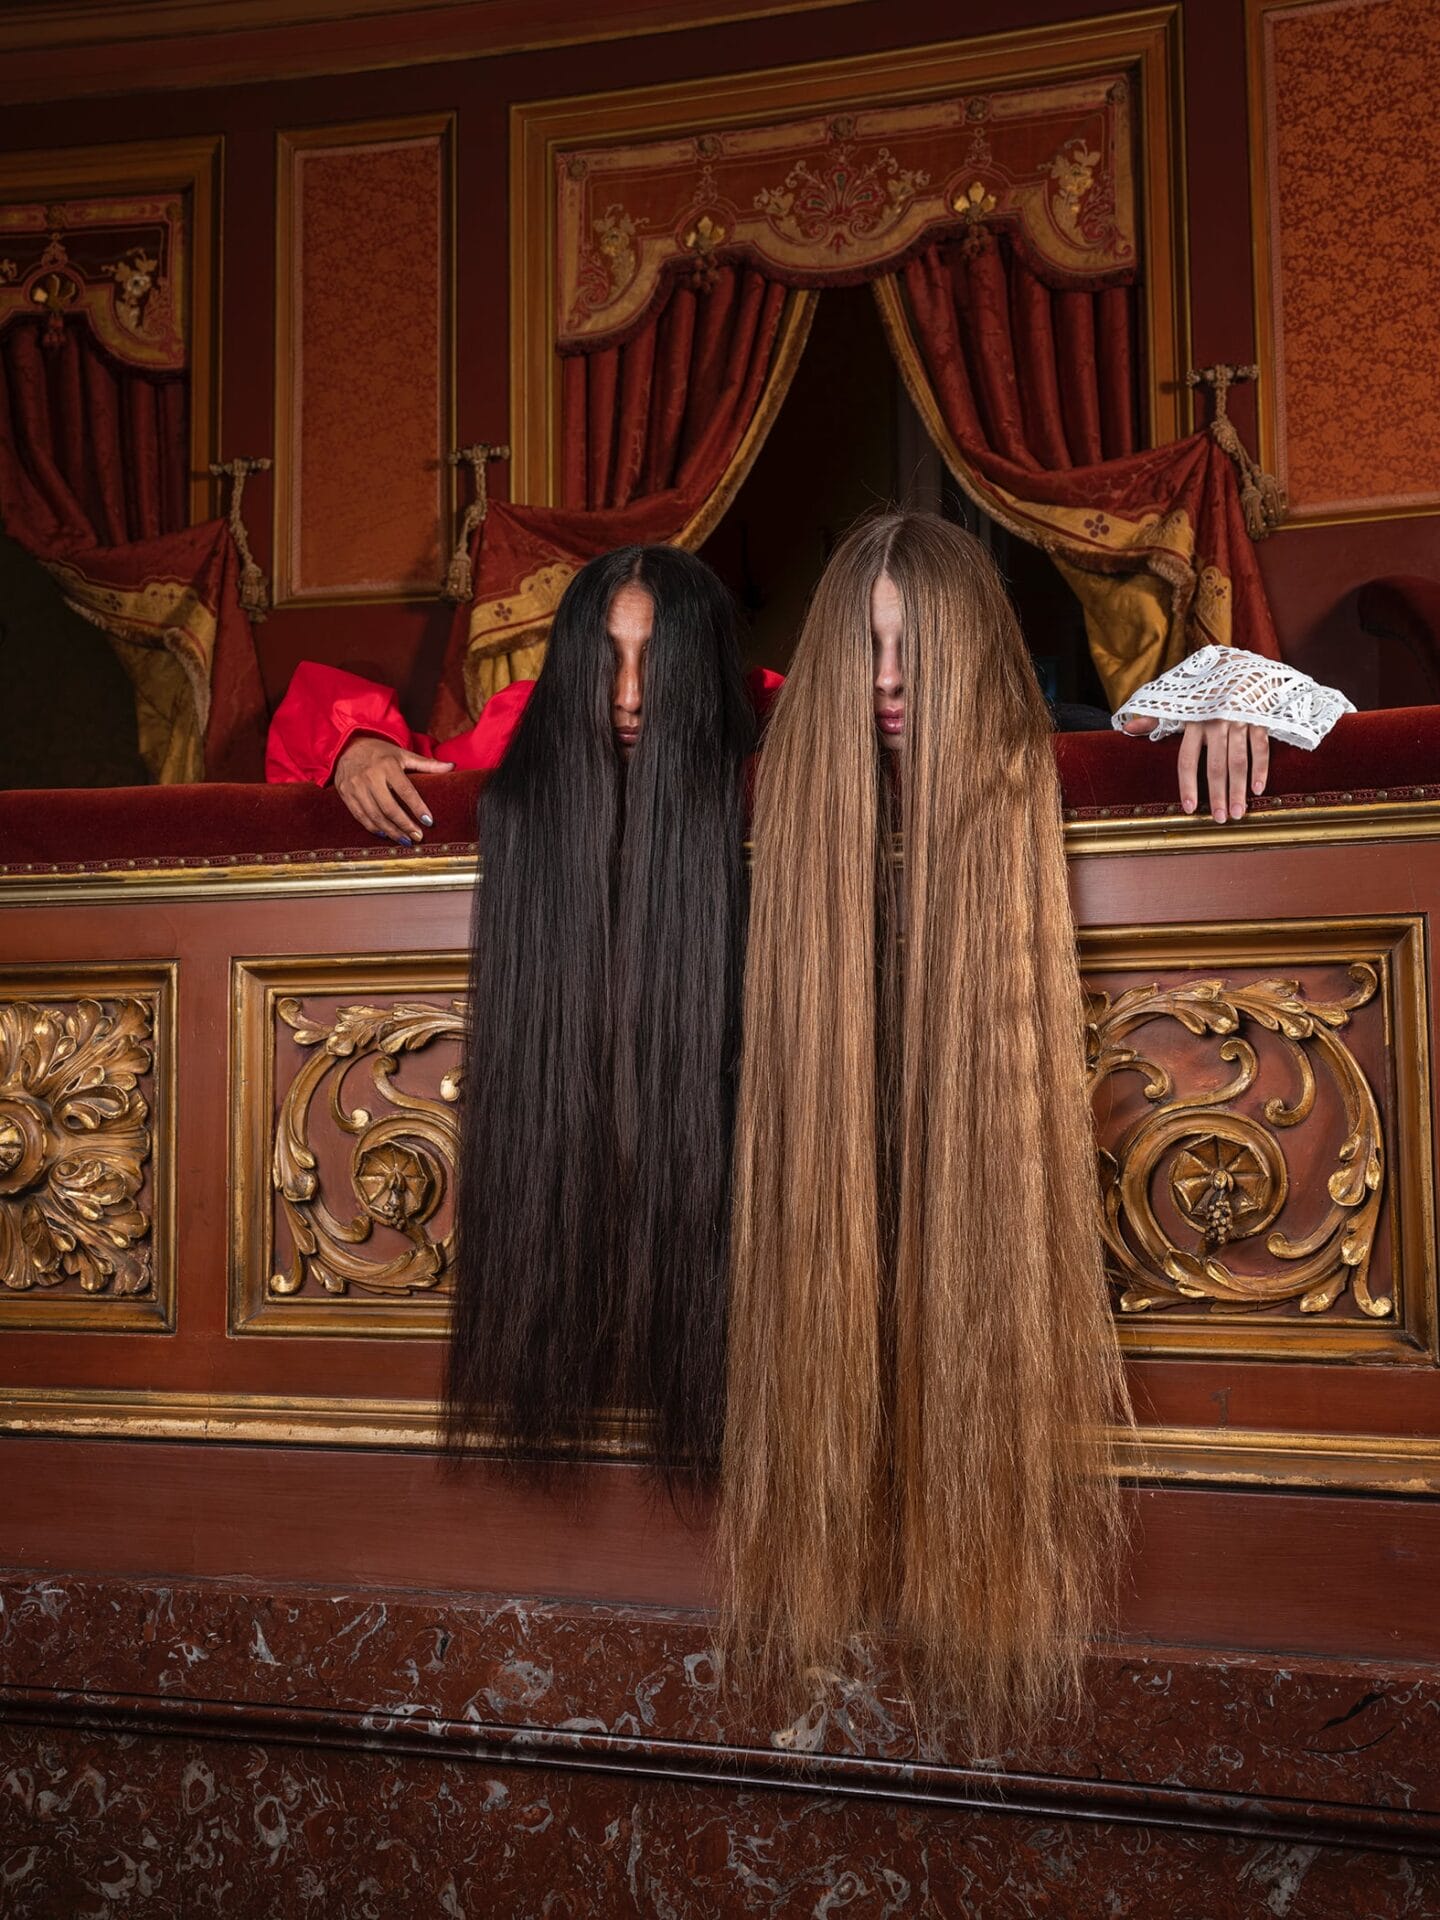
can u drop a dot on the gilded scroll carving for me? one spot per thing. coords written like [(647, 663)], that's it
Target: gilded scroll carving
[(1222, 1171), (74, 1142), (400, 1165)]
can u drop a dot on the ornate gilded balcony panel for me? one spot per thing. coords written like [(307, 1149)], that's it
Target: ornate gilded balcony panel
[(87, 1148), (1263, 1105), (343, 1143)]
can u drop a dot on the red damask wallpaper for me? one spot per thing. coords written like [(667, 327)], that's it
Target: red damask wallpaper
[(1351, 92), (365, 429)]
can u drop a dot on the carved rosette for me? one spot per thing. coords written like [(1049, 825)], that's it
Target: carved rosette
[(74, 1140), (1224, 1169), (401, 1162)]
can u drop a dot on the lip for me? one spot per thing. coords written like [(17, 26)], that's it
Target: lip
[(892, 722), (627, 735)]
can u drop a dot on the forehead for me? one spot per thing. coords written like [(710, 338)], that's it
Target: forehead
[(631, 615), (885, 609)]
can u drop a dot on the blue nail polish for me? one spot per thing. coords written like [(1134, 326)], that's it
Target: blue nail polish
[(404, 839)]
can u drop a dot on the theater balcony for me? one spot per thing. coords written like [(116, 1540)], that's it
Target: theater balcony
[(229, 1029)]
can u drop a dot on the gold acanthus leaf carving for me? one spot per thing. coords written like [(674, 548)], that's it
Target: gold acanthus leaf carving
[(1227, 1172), (74, 1139), (402, 1161)]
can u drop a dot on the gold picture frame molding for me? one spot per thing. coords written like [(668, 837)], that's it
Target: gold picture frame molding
[(1148, 41)]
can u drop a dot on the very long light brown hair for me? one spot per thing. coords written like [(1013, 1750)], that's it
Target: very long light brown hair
[(922, 1367)]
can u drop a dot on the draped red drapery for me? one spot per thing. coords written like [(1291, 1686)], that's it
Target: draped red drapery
[(1032, 395), (94, 481), (97, 453), (658, 433)]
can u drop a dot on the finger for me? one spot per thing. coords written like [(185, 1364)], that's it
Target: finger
[(1238, 753), (1139, 724), (417, 763), (393, 817), (1190, 766), (1259, 758), (406, 797), (1215, 767), (361, 810)]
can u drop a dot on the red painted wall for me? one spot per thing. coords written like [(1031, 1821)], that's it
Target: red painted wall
[(1312, 574)]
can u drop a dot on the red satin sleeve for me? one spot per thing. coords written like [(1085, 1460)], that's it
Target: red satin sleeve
[(762, 684), (323, 709), (484, 746)]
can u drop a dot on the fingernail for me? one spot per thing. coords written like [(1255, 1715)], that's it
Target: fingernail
[(403, 838), (1220, 815), (1240, 811), (1258, 786), (427, 820), (419, 837), (1188, 805)]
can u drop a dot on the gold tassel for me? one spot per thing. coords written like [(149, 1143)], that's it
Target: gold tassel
[(459, 583), (254, 587), (1262, 498)]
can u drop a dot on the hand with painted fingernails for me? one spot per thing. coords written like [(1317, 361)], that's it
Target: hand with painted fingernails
[(371, 777)]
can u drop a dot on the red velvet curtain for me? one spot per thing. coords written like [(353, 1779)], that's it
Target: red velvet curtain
[(1044, 376), (1033, 396), (656, 436), (96, 454), (94, 481), (658, 412)]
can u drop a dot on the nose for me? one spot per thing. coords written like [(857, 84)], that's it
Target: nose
[(627, 687), (889, 679)]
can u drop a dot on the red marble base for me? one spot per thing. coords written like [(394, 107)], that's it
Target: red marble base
[(177, 1749)]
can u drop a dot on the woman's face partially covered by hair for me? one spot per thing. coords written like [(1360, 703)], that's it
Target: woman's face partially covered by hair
[(629, 623), (886, 633)]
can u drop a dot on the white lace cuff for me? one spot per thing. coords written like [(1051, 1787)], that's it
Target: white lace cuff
[(1229, 683)]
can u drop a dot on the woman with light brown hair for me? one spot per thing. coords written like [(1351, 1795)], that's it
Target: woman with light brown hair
[(923, 1375)]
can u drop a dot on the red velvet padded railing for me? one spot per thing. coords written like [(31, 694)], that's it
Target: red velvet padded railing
[(1390, 754)]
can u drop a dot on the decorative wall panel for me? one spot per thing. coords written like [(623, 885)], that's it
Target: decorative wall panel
[(1263, 1105), (1345, 108), (363, 360), (1067, 134), (87, 1149), (344, 1147), (124, 235)]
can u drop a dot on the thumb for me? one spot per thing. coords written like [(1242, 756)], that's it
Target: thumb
[(417, 763), (1139, 724)]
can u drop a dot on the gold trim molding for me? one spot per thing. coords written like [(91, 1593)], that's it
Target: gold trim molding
[(1327, 823), (1269, 1457), (1147, 41)]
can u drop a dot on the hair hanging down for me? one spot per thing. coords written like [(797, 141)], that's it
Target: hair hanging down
[(606, 953), (922, 1364)]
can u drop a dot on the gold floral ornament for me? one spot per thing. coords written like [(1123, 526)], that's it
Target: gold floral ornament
[(1226, 1171), (74, 1139), (974, 204), (702, 240), (53, 293), (401, 1162)]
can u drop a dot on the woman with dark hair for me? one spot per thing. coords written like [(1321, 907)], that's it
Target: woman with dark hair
[(605, 977)]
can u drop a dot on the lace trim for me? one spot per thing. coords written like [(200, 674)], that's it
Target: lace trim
[(1229, 683)]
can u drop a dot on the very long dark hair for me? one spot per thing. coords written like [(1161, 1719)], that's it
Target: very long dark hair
[(606, 961)]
